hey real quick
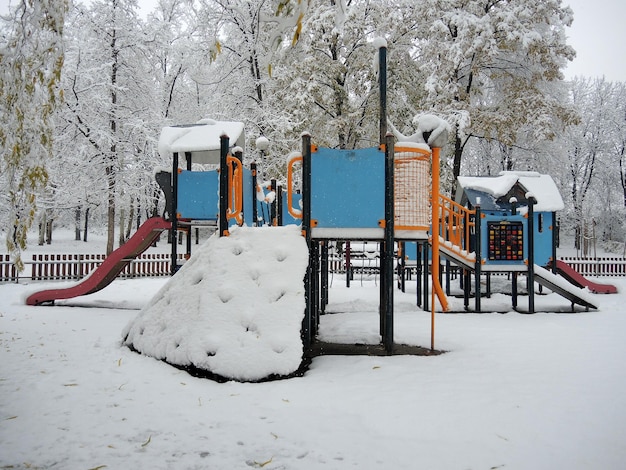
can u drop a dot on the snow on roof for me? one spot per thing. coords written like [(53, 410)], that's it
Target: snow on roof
[(379, 42), (202, 139), (541, 186)]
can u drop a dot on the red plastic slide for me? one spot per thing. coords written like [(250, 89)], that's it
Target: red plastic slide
[(579, 280), (110, 267)]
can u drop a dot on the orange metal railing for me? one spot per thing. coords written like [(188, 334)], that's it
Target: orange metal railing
[(295, 213), (235, 190), (456, 225)]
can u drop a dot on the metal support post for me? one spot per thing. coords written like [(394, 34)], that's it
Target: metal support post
[(478, 262), (307, 330), (324, 276), (388, 247), (174, 214), (188, 162), (531, 254), (223, 184), (255, 214)]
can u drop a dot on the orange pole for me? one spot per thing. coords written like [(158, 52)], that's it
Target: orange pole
[(435, 242), (235, 179)]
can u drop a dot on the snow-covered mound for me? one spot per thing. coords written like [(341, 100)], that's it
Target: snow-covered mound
[(235, 309)]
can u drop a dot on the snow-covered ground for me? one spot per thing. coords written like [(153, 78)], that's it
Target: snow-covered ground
[(513, 391)]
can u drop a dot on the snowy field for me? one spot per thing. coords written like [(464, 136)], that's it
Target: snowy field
[(513, 391)]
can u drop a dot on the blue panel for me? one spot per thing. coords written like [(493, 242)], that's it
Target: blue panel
[(543, 238), (198, 195), (410, 250), (287, 218), (248, 192), (348, 188)]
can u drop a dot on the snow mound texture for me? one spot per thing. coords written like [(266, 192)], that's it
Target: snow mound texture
[(235, 309)]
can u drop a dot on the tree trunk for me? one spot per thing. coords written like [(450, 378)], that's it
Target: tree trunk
[(77, 224), (122, 230), (129, 225), (86, 224), (42, 229), (110, 213), (155, 205), (459, 145), (138, 214), (111, 167), (49, 231)]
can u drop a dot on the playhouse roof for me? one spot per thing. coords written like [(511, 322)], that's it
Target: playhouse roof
[(491, 188), (201, 139)]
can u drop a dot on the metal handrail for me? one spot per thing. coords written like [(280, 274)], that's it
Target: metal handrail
[(295, 213), (456, 223)]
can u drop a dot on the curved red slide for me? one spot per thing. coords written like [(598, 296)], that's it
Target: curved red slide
[(579, 280), (110, 267)]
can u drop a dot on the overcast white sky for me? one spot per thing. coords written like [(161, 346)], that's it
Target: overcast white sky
[(598, 35)]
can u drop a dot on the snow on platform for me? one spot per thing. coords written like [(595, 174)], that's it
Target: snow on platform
[(235, 309)]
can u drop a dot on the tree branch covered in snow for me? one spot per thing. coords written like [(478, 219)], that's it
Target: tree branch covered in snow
[(31, 61)]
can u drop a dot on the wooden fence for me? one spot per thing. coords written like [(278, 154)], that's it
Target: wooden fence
[(588, 267), (597, 267), (77, 266), (57, 267)]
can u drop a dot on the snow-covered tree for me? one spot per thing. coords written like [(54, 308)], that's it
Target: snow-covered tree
[(329, 77), (174, 49), (31, 60), (491, 66), (585, 148), (110, 104), (241, 46), (619, 130)]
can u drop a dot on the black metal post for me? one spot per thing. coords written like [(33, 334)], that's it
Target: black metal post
[(174, 214), (418, 274), (388, 246), (426, 292), (223, 183), (314, 259), (274, 203), (401, 267), (279, 205), (478, 263), (188, 161), (448, 269), (347, 262), (307, 330), (554, 229), (324, 276), (382, 84), (466, 288), (254, 201), (531, 254)]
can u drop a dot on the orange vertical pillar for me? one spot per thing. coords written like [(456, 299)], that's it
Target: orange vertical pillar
[(436, 286)]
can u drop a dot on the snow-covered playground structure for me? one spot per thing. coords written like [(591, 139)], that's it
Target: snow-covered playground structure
[(247, 304)]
